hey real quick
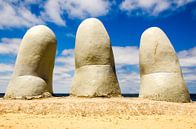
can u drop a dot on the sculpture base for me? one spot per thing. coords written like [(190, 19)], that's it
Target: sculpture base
[(164, 87), (27, 87), (94, 81)]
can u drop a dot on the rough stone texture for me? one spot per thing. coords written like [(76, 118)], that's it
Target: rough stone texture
[(34, 64), (95, 73), (161, 76)]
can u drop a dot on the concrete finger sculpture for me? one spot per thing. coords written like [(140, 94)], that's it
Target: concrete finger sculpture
[(33, 71), (161, 76), (95, 73)]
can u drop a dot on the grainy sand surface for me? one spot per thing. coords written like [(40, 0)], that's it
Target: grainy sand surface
[(96, 113)]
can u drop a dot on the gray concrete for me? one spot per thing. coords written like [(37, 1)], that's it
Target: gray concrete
[(34, 64), (160, 72), (95, 73)]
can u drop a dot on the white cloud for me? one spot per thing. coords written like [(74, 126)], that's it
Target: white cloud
[(17, 15), (5, 75), (126, 55), (86, 8), (9, 46), (187, 60), (64, 71), (187, 57), (55, 10), (151, 7), (126, 61), (6, 67), (191, 77), (4, 82), (70, 35)]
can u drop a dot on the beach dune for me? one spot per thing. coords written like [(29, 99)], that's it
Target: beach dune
[(96, 113)]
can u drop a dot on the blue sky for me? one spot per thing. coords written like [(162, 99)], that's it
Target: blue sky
[(124, 20)]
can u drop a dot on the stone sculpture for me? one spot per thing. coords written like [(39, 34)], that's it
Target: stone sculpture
[(33, 70), (161, 76), (95, 73)]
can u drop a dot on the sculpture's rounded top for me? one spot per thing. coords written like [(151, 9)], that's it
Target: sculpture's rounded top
[(40, 31), (91, 22), (157, 53), (92, 44), (152, 31), (41, 28), (153, 36), (92, 26)]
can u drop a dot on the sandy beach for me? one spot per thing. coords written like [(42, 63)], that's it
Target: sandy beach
[(96, 113)]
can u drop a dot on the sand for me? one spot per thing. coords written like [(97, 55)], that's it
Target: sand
[(96, 113)]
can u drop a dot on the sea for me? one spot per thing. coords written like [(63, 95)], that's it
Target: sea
[(193, 96)]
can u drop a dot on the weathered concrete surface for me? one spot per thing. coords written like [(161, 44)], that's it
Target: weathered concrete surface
[(95, 73), (34, 64), (161, 76)]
